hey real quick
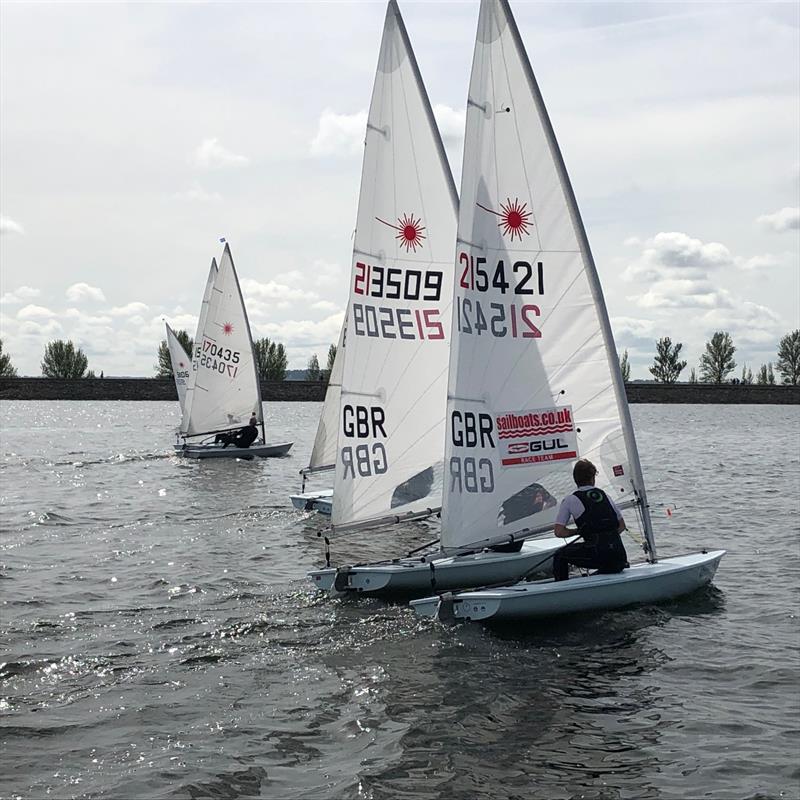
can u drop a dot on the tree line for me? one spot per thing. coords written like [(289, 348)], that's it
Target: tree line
[(63, 360), (717, 362)]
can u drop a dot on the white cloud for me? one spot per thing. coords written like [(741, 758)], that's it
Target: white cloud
[(86, 319), (198, 194), (33, 312), (9, 226), (784, 220), (339, 134), (129, 310), (210, 154), (82, 291), (19, 295), (272, 290), (451, 122), (676, 254)]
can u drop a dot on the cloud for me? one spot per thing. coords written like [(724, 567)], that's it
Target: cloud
[(451, 122), (9, 226), (784, 220), (82, 291), (199, 195), (19, 295), (210, 154), (272, 290), (129, 310), (86, 319), (676, 254), (339, 134), (34, 312)]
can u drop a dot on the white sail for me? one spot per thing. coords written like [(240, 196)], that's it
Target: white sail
[(323, 454), (226, 390), (197, 347), (534, 377), (393, 396), (181, 365)]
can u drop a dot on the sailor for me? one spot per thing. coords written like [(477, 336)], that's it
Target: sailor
[(599, 522), (241, 438)]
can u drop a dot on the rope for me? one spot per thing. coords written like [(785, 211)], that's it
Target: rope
[(327, 552)]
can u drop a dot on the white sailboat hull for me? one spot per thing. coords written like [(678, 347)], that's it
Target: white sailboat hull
[(268, 450), (641, 583), (412, 577), (321, 501)]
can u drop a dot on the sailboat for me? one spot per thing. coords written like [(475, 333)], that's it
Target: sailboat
[(534, 366), (225, 391), (389, 465), (181, 363), (323, 453)]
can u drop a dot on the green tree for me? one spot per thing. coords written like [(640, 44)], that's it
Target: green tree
[(693, 376), (331, 359), (164, 366), (271, 360), (62, 360), (667, 365), (313, 372), (717, 361), (625, 367), (6, 367), (765, 375), (747, 374), (789, 358)]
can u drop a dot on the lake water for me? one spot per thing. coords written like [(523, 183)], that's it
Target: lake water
[(159, 638)]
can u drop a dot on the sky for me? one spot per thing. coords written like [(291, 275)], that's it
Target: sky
[(134, 136)]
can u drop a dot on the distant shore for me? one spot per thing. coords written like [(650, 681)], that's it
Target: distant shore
[(164, 389)]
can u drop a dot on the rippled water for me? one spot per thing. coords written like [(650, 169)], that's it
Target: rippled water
[(160, 639)]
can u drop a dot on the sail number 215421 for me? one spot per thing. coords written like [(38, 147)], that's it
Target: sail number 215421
[(499, 319)]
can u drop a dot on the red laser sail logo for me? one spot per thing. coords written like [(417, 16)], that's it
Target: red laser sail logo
[(227, 328), (514, 218), (409, 231)]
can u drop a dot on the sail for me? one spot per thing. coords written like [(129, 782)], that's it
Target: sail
[(323, 454), (534, 378), (181, 365), (226, 390), (197, 347), (394, 381)]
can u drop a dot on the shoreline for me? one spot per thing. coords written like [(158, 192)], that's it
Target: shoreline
[(142, 389)]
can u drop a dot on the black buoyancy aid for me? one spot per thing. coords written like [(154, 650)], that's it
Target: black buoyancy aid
[(599, 521)]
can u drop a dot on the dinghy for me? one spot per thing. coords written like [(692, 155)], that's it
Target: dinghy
[(225, 391), (181, 363), (391, 418), (530, 311), (323, 454)]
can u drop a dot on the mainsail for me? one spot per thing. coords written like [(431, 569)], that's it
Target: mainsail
[(393, 394), (323, 454), (226, 390), (197, 347), (534, 377), (181, 365)]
